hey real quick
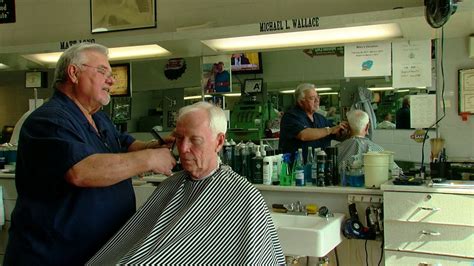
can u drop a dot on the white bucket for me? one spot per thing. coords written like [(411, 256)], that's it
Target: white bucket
[(376, 165)]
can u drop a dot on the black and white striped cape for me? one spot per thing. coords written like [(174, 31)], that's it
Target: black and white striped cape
[(222, 219)]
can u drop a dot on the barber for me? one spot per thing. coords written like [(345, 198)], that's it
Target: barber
[(73, 167), (302, 127)]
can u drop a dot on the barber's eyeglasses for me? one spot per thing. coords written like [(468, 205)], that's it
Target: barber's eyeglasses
[(102, 70)]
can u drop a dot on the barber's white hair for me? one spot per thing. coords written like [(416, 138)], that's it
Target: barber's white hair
[(301, 89), (217, 118), (74, 55), (358, 120)]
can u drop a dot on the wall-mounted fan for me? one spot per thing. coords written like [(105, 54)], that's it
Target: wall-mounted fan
[(438, 11)]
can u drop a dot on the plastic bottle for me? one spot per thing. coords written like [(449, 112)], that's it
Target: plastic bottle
[(321, 168), (299, 169), (356, 173), (285, 173), (257, 164), (267, 168), (307, 167), (276, 168)]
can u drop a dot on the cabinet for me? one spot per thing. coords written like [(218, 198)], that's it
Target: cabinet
[(429, 227)]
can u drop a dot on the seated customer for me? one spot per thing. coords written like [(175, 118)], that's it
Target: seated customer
[(206, 214), (358, 143), (387, 122)]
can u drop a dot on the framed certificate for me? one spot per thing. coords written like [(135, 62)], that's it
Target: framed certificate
[(116, 15), (121, 74), (36, 79), (466, 91)]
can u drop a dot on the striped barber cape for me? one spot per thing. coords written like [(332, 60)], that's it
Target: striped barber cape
[(221, 219)]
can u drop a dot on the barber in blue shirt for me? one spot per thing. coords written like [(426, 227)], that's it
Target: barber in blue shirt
[(73, 167), (301, 126)]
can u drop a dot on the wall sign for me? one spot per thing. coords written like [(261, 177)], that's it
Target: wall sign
[(7, 11), (289, 24), (367, 59)]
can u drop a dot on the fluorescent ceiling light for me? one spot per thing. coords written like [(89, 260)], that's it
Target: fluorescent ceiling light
[(116, 53), (329, 93), (403, 90), (196, 97), (381, 89), (232, 94), (3, 66), (317, 89), (307, 38)]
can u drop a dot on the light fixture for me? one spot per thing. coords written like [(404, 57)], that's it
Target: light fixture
[(381, 89), (3, 66), (317, 89), (406, 90), (196, 97), (329, 93), (235, 94), (307, 38), (115, 53)]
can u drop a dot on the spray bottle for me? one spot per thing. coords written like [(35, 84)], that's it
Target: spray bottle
[(257, 163)]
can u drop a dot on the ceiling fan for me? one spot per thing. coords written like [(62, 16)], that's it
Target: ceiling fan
[(437, 12)]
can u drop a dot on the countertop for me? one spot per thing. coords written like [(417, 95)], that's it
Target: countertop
[(329, 189), (454, 189), (7, 175)]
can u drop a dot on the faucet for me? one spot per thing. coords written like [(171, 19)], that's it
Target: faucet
[(296, 208)]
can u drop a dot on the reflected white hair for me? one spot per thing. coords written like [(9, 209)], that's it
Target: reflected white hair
[(358, 120), (301, 89), (217, 118)]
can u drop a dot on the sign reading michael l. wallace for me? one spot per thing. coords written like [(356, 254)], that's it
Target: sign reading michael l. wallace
[(7, 11)]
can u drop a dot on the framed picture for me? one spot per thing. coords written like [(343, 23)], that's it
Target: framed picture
[(252, 86), (121, 74), (36, 79), (121, 109), (117, 15), (466, 91)]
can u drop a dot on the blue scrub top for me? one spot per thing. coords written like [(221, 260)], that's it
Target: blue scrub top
[(292, 123), (55, 222)]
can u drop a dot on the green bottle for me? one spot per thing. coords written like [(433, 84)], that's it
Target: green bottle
[(285, 173)]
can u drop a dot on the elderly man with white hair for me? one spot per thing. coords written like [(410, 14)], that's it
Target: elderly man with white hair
[(358, 143), (206, 214)]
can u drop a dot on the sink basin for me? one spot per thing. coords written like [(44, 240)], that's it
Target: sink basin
[(308, 235)]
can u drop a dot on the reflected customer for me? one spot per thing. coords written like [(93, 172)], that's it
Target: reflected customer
[(73, 167), (403, 114), (387, 122), (358, 143), (301, 126), (206, 214)]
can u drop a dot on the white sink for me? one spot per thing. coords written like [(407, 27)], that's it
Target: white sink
[(308, 235)]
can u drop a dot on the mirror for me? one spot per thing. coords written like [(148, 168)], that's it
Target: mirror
[(283, 70)]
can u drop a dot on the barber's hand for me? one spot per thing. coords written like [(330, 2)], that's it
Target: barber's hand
[(162, 161), (156, 144), (341, 129)]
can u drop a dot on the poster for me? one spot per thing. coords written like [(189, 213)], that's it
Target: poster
[(367, 60), (216, 74), (411, 64), (422, 110)]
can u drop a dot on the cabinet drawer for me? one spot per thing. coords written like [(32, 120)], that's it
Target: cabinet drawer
[(397, 258), (430, 238), (429, 208)]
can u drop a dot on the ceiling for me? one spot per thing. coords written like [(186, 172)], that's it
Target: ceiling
[(183, 23)]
